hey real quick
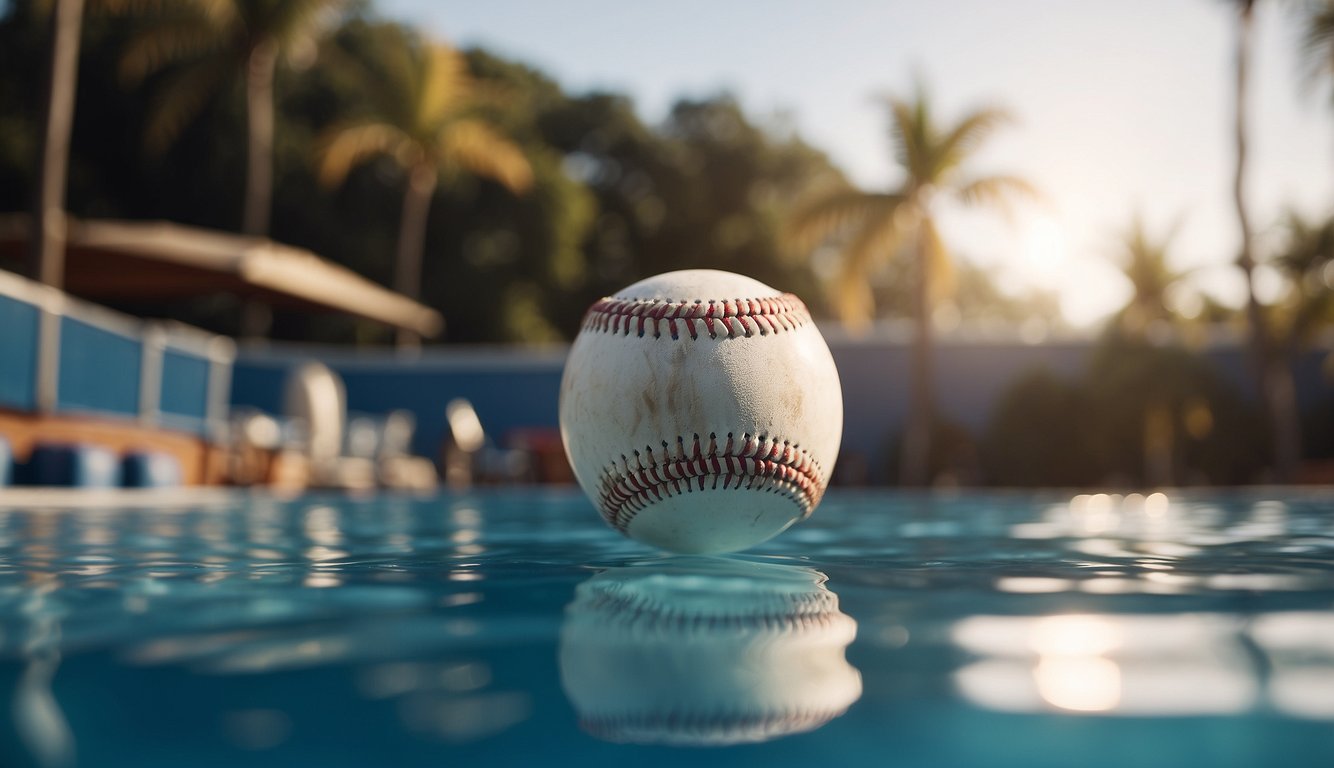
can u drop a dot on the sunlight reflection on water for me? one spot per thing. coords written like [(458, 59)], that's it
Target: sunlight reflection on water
[(455, 621)]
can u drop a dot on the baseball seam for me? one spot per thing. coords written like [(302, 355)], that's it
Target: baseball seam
[(725, 318), (707, 725), (752, 462), (816, 611)]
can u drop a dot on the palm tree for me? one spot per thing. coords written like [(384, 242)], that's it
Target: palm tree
[(425, 116), (217, 41), (1305, 260), (47, 233), (1318, 41), (48, 225), (1143, 260), (877, 225), (1274, 377)]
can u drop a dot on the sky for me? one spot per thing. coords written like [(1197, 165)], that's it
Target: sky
[(1121, 108)]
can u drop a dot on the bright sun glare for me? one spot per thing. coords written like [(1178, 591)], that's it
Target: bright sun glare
[(1043, 250)]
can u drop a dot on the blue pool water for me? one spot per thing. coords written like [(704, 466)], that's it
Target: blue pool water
[(513, 628)]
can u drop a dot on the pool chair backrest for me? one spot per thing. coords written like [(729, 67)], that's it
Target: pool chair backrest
[(316, 398)]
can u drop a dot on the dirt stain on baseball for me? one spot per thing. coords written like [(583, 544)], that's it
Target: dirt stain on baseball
[(794, 399)]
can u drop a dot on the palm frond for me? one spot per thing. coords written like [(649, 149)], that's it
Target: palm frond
[(963, 140), (222, 14), (876, 240), (126, 7), (345, 147), (290, 21), (999, 191), (475, 146), (394, 78), (1306, 256), (181, 98), (910, 133), (852, 298), (1144, 261), (835, 212), (1308, 247), (164, 41), (444, 86), (1318, 42)]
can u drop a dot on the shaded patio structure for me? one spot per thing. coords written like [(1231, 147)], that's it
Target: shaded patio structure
[(75, 371), (111, 260)]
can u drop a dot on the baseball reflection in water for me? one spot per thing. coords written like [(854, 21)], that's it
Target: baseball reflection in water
[(706, 651)]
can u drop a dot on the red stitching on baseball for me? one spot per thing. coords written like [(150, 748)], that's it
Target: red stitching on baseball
[(728, 318), (754, 462), (613, 727), (798, 612)]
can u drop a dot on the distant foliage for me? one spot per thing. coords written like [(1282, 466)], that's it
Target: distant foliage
[(1041, 434), (613, 200), (954, 458), (1173, 401), (1139, 415)]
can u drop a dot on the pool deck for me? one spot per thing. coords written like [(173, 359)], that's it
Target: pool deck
[(201, 463)]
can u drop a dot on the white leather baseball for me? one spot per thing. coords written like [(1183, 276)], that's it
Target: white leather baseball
[(701, 411)]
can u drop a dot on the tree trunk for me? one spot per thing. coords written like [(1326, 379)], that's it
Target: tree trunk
[(411, 240), (1273, 375), (47, 249), (1287, 425), (1159, 446), (259, 140), (914, 468), (256, 316), (47, 234)]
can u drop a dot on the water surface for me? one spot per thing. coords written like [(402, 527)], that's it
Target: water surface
[(514, 628)]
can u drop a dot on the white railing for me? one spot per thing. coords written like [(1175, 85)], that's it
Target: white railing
[(154, 338)]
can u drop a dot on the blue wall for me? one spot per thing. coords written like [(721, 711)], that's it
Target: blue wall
[(101, 361), (184, 399), (969, 377), (99, 369), (507, 395), (513, 389), (18, 354)]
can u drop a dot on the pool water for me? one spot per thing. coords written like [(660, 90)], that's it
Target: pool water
[(514, 628)]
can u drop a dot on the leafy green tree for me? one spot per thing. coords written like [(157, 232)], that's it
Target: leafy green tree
[(629, 170), (425, 114), (1163, 415), (1042, 433), (1139, 414), (876, 225), (732, 183), (214, 43), (709, 187)]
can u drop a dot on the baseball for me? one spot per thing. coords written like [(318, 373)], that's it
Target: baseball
[(701, 411)]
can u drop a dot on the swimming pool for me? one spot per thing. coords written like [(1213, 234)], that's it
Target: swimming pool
[(514, 628)]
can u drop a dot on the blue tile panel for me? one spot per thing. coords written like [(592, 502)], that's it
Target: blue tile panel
[(18, 354), (99, 369)]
